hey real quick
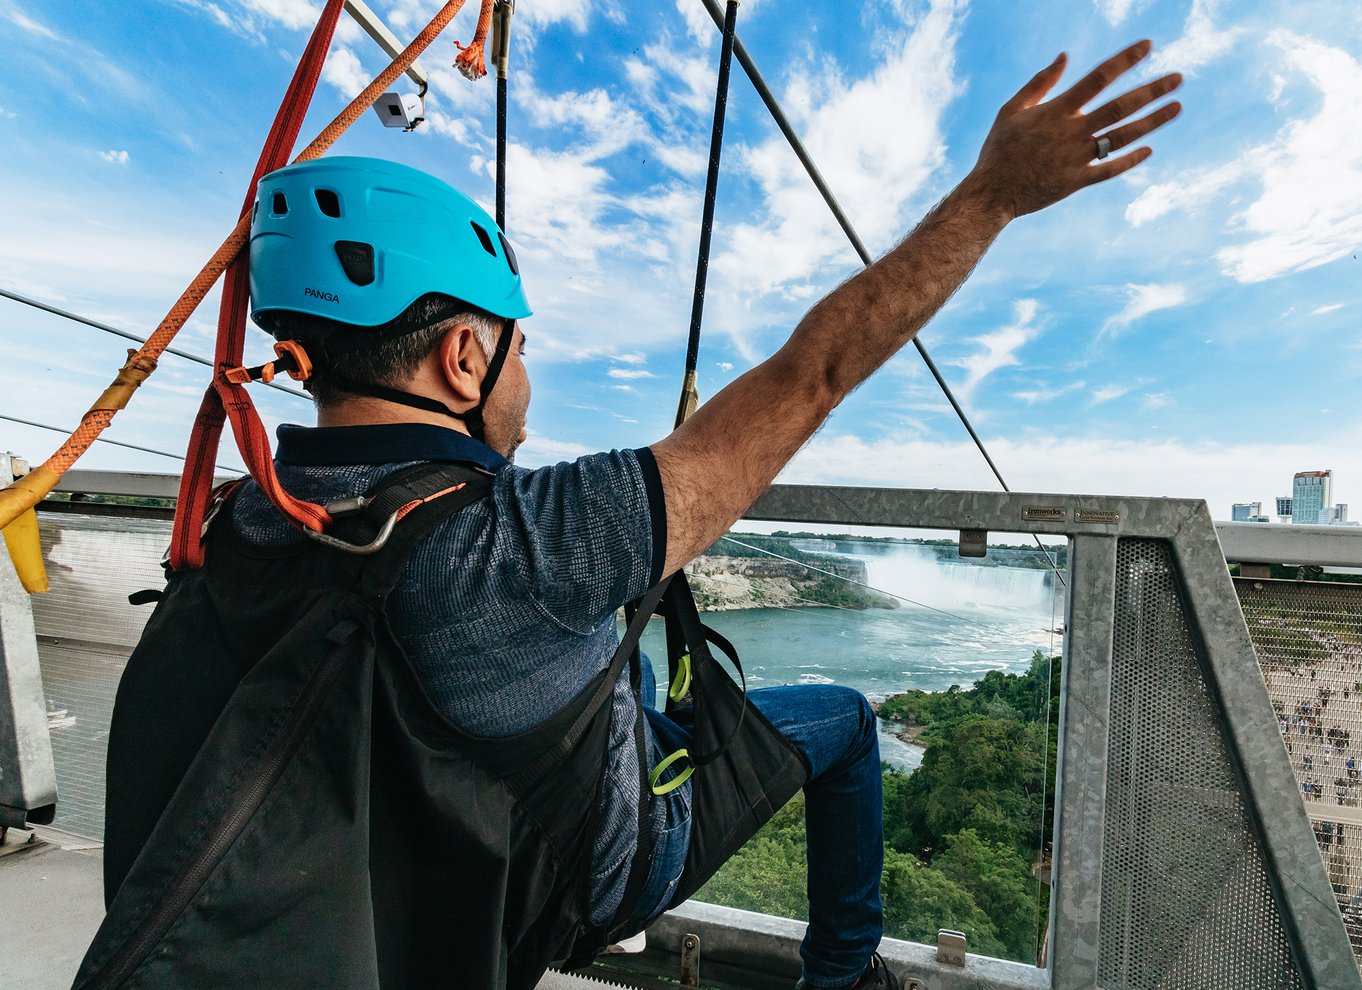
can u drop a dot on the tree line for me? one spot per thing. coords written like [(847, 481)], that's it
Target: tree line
[(966, 834)]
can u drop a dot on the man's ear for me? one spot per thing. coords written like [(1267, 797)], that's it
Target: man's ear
[(462, 362)]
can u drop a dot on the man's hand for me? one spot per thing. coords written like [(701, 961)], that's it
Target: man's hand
[(1038, 153)]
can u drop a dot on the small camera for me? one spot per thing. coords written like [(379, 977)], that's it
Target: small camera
[(404, 110)]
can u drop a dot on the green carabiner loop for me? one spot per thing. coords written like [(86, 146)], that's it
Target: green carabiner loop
[(682, 683), (676, 781)]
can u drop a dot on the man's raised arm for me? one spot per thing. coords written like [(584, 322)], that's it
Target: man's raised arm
[(716, 464)]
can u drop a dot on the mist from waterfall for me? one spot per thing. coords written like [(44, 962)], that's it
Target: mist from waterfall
[(919, 574)]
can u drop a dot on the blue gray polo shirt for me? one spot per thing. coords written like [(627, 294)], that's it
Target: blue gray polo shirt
[(508, 610)]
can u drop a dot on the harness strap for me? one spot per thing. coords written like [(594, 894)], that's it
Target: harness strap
[(422, 498), (628, 643)]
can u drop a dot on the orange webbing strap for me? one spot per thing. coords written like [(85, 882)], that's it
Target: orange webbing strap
[(416, 503), (29, 490), (186, 545)]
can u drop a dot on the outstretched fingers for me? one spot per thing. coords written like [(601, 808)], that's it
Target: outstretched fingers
[(1087, 89), (1038, 86), (1113, 167), (1136, 129), (1117, 110)]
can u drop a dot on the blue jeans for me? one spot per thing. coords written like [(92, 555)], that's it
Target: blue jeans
[(834, 728)]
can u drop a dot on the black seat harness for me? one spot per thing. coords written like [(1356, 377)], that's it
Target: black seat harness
[(286, 807)]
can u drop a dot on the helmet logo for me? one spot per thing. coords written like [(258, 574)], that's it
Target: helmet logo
[(322, 295)]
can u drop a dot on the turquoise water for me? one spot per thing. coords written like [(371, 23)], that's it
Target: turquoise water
[(971, 619)]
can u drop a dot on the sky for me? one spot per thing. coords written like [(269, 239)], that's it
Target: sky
[(1191, 329)]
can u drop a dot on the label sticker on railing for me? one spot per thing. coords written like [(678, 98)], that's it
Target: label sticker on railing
[(1045, 513), (1103, 516)]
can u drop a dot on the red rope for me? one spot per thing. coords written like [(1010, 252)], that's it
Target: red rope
[(196, 485)]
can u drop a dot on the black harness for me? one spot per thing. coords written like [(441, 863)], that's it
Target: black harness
[(287, 808)]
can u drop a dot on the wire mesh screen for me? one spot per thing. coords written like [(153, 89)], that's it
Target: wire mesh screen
[(1186, 901), (1308, 637), (86, 630)]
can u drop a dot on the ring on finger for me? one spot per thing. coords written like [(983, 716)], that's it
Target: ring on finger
[(1103, 147)]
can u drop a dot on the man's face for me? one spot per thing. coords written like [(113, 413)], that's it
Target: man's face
[(504, 414)]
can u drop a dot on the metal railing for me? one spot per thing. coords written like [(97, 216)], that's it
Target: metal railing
[(1183, 854)]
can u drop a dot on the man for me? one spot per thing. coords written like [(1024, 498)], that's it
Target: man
[(408, 299)]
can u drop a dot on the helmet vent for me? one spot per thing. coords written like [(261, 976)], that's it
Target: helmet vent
[(484, 237), (328, 202), (510, 255), (279, 207)]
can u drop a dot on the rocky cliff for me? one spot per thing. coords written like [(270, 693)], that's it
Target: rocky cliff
[(725, 583)]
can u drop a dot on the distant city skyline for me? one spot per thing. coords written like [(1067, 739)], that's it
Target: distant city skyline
[(1310, 503)]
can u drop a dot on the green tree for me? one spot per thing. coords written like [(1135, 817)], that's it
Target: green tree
[(1000, 882), (920, 900)]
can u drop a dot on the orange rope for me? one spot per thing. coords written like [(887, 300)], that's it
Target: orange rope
[(18, 497), (471, 61)]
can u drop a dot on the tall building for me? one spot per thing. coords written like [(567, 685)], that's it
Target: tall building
[(1311, 495), (1283, 505), (1244, 511)]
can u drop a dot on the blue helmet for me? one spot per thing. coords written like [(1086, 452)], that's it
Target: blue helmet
[(358, 240)]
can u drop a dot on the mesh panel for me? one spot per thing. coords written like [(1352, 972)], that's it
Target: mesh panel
[(1185, 896), (1308, 637), (86, 630)]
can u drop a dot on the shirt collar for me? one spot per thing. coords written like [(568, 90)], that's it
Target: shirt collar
[(387, 443)]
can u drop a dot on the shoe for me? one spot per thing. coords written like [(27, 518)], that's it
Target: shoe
[(877, 976)]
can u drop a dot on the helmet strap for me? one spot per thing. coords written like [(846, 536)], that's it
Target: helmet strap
[(472, 418)]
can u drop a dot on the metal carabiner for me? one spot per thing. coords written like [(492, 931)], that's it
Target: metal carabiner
[(373, 546)]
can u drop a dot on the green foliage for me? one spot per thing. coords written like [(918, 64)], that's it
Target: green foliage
[(919, 900), (962, 833), (768, 874), (1001, 883), (1021, 696), (977, 773)]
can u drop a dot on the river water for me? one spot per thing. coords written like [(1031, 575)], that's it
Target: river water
[(969, 618)]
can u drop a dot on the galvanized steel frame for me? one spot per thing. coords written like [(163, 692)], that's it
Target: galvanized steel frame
[(1093, 524)]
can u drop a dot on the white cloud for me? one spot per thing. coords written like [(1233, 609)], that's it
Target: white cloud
[(1115, 11), (1310, 210), (344, 71), (17, 17), (1031, 397), (1201, 42), (878, 136), (725, 366), (998, 349), (1321, 310), (114, 157), (702, 26), (630, 373), (1187, 195), (1157, 400), (294, 14), (1143, 300), (1221, 473), (539, 449), (543, 13), (630, 358), (1107, 393)]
